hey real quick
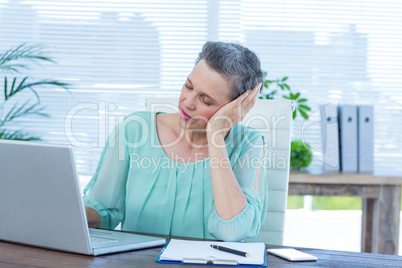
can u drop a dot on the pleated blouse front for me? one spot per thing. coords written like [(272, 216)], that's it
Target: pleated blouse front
[(137, 184)]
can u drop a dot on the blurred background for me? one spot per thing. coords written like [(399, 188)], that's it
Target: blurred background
[(115, 54)]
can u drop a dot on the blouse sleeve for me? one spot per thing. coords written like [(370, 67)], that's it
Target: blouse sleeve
[(248, 222), (105, 192)]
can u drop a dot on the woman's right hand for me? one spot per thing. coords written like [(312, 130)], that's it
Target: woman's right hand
[(93, 217), (232, 113)]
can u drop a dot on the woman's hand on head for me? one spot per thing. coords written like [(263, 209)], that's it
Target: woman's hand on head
[(230, 114)]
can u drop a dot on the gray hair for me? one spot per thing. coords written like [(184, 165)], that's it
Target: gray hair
[(240, 65)]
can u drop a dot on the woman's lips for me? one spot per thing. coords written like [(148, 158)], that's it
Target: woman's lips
[(184, 115)]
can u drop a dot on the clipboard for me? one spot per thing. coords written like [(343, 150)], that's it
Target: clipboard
[(208, 261)]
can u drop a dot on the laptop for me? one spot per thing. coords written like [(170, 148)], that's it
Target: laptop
[(41, 203)]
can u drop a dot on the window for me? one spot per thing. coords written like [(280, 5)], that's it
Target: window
[(117, 53)]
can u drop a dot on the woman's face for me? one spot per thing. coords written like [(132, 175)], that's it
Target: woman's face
[(203, 93)]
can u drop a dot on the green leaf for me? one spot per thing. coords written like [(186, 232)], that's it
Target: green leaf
[(5, 89), (11, 59), (280, 84), (14, 60), (305, 107), (49, 83), (12, 86), (303, 113), (19, 88), (18, 111), (31, 86), (17, 135), (300, 153), (9, 68)]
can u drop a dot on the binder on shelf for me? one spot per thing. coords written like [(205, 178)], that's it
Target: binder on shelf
[(366, 138), (330, 137), (348, 138)]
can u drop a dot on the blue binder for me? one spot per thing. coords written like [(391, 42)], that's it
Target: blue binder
[(210, 263), (330, 137), (348, 138), (366, 138)]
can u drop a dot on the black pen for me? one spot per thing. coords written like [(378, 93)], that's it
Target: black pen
[(229, 250)]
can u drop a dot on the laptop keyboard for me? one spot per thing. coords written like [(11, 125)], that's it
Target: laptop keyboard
[(100, 240)]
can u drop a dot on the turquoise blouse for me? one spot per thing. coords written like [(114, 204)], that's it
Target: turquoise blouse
[(137, 184)]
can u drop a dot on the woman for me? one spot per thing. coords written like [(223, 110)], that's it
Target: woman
[(195, 173)]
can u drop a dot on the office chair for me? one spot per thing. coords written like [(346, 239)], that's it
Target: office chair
[(273, 118)]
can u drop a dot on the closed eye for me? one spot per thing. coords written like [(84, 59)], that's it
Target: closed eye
[(207, 103)]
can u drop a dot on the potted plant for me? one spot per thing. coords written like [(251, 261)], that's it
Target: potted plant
[(279, 86), (12, 63), (300, 153)]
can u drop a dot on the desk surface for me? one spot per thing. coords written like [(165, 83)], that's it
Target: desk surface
[(13, 255)]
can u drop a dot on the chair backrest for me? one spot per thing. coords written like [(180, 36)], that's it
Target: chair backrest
[(273, 118)]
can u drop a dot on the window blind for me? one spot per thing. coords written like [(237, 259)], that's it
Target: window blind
[(115, 54), (343, 51)]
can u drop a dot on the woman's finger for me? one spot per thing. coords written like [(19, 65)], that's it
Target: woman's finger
[(252, 96), (258, 86), (249, 102), (256, 89), (240, 106), (253, 92)]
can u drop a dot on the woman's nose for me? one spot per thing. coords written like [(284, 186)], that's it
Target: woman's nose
[(189, 102)]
